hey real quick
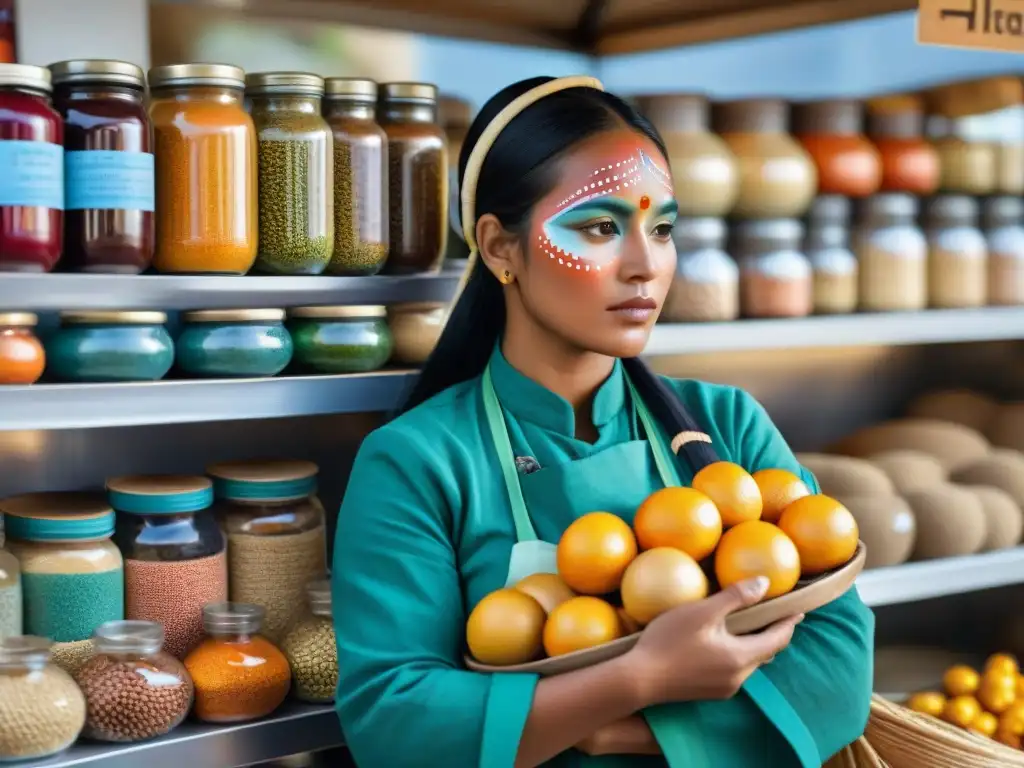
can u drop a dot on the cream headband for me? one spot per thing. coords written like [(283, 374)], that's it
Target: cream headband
[(483, 146)]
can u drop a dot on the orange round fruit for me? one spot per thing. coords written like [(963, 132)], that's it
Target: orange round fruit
[(1011, 740), (548, 589), (997, 694), (779, 488), (927, 703), (1020, 687), (629, 624), (1002, 664), (1012, 720), (961, 711), (733, 490), (681, 518), (824, 531), (961, 680), (594, 551), (580, 623), (756, 548), (660, 579), (506, 627), (985, 724)]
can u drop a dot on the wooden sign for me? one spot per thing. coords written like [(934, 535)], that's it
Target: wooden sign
[(995, 25)]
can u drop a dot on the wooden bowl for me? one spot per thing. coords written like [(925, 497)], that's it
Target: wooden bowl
[(808, 596)]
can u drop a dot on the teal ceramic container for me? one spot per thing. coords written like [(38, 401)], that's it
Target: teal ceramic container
[(234, 343), (110, 346), (346, 339)]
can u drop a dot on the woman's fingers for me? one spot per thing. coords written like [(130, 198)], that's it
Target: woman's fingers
[(735, 597)]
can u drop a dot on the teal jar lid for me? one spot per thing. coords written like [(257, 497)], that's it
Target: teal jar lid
[(57, 517), (160, 494), (263, 480)]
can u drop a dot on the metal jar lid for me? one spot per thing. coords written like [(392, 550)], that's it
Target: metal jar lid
[(18, 319), (1002, 211), (106, 71), (767, 235), (951, 211), (751, 116), (695, 234), (345, 311), (415, 92), (26, 76), (676, 112), (109, 317), (889, 207), (350, 89), (216, 75), (836, 117), (829, 209), (233, 316), (285, 83)]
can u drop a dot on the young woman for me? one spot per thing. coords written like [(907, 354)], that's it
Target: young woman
[(533, 410)]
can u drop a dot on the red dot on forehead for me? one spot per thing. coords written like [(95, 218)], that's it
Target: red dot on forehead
[(645, 203)]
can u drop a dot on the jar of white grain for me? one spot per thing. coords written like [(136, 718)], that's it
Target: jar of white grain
[(706, 286), (957, 252), (775, 277), (827, 248), (1003, 222), (892, 254)]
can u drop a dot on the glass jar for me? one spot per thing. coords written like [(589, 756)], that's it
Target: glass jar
[(10, 594), (832, 262), (174, 553), (108, 166), (360, 177), (277, 534), (72, 574), (777, 176), (1003, 220), (311, 648), (32, 156), (455, 116), (233, 342), (957, 253), (775, 277), (415, 328), (238, 674), (41, 709), (909, 163), (296, 173), (345, 339), (704, 171), (848, 164), (206, 169), (706, 286), (110, 346), (22, 357), (892, 254), (133, 689), (417, 178)]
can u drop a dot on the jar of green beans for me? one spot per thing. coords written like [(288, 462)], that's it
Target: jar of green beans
[(296, 173)]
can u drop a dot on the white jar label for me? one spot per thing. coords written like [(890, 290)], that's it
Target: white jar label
[(31, 174)]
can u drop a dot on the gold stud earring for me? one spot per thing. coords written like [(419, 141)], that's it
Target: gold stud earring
[(506, 277)]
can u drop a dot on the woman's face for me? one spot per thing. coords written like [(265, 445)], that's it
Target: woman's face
[(600, 256)]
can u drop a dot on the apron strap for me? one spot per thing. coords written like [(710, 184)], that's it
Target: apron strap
[(662, 459)]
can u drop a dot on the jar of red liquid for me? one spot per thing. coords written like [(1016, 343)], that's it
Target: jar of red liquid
[(31, 171), (108, 166)]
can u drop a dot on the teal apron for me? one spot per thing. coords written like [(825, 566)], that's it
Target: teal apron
[(602, 481)]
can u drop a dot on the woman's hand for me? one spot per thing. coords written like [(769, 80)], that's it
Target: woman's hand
[(631, 736), (687, 654)]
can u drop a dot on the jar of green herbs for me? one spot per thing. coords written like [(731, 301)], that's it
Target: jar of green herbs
[(296, 173)]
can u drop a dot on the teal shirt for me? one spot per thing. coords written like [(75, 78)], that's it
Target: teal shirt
[(425, 531)]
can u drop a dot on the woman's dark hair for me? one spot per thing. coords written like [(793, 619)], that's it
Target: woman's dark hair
[(516, 174)]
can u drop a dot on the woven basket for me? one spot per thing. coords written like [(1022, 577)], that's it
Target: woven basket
[(858, 755), (906, 739)]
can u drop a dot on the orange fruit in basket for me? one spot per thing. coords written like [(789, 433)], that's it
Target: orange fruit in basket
[(733, 490), (506, 627), (1002, 664), (997, 694), (1011, 740), (779, 488), (594, 551), (961, 711), (757, 548), (1020, 687), (629, 625), (927, 703), (659, 580), (681, 518), (824, 531), (548, 589), (1012, 720), (961, 680), (985, 724), (580, 623)]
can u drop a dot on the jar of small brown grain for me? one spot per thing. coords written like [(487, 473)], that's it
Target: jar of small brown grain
[(1003, 222), (775, 277), (706, 284), (957, 253), (827, 248), (892, 254)]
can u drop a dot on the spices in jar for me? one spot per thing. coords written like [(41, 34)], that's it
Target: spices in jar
[(1003, 221), (108, 166), (417, 178), (206, 169), (296, 173), (10, 591), (896, 126), (704, 171), (311, 648), (775, 277), (848, 164), (238, 674), (71, 656), (41, 709), (706, 286), (415, 328), (277, 535), (777, 176), (892, 254), (133, 689), (360, 177), (957, 253), (72, 575), (233, 342), (832, 262), (344, 339), (32, 156), (22, 357), (110, 346), (175, 559)]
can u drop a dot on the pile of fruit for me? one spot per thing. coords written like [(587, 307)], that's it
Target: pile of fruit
[(684, 543), (989, 703)]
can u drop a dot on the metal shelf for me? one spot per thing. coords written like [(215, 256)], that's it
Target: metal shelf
[(295, 728)]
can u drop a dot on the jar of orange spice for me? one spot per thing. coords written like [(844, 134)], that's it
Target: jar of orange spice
[(22, 358), (848, 164), (909, 162)]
